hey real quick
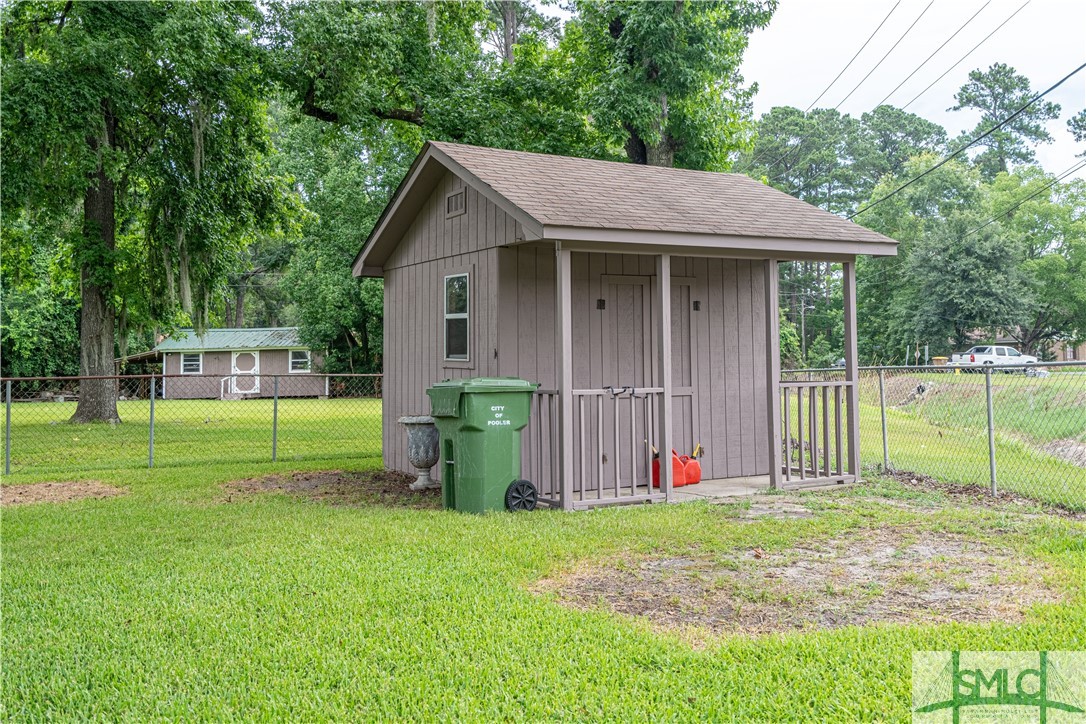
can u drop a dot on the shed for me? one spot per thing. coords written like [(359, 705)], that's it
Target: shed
[(231, 363), (644, 300)]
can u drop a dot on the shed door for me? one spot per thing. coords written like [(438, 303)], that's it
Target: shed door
[(627, 344), (245, 373)]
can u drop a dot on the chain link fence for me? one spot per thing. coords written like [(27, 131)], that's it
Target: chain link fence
[(1019, 429), (191, 420)]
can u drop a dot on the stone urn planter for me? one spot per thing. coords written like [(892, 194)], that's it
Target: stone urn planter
[(422, 448)]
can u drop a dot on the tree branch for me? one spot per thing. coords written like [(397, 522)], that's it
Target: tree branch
[(310, 108)]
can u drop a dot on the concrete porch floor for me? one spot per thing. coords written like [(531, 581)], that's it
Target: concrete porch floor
[(737, 488)]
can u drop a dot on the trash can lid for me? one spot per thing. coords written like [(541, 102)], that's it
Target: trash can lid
[(489, 384)]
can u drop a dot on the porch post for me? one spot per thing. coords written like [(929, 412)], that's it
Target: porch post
[(773, 369), (852, 392), (663, 285), (564, 345)]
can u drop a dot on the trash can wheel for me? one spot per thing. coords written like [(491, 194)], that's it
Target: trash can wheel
[(520, 495)]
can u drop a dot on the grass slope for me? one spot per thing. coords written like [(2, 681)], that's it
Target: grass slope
[(169, 603)]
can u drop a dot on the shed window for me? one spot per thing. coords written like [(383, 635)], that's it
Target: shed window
[(456, 317), (192, 363), (300, 361), (454, 204)]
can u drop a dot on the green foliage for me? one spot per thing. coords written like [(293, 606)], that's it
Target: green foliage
[(151, 116), (998, 93), (39, 336), (662, 77)]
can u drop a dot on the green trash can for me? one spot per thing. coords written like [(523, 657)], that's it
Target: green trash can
[(480, 420)]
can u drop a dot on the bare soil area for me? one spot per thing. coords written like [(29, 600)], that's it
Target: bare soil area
[(900, 575), (385, 488), (975, 494), (1070, 450), (65, 492)]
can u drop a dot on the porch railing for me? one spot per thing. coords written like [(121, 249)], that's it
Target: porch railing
[(814, 418), (614, 432)]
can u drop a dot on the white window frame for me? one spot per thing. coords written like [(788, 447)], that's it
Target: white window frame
[(308, 361), (199, 356), (466, 359)]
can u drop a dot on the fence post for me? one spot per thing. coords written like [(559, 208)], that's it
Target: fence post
[(882, 410), (151, 437), (991, 428), (275, 417), (7, 429)]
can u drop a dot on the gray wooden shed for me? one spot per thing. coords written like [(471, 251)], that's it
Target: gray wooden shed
[(644, 300)]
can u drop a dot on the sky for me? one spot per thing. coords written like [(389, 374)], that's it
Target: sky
[(808, 42)]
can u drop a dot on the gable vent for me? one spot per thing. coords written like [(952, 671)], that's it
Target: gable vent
[(454, 204)]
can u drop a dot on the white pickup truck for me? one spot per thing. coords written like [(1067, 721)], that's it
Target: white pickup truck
[(991, 355)]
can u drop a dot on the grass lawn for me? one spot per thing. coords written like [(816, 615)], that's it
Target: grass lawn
[(193, 432), (170, 602)]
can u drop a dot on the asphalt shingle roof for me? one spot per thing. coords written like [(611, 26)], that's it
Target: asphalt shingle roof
[(578, 192), (213, 339)]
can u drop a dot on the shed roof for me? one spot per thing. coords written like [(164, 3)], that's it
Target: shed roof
[(561, 197), (186, 340)]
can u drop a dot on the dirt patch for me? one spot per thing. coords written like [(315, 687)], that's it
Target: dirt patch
[(762, 507), (1072, 451), (385, 488), (975, 494), (895, 574), (56, 492)]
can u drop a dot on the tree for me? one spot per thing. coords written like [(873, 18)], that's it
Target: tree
[(510, 20), (148, 118), (1077, 126), (662, 77), (344, 182), (1049, 225), (998, 93), (961, 278), (898, 135)]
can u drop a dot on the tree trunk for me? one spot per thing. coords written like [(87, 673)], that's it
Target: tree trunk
[(97, 398), (509, 29), (239, 306)]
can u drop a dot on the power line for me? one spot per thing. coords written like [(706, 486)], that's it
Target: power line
[(875, 67), (849, 64), (1038, 192), (933, 54), (842, 72), (971, 143), (971, 51), (891, 50)]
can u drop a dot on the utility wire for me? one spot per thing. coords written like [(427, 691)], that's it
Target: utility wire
[(880, 275), (891, 50), (849, 64), (971, 51), (842, 72), (1038, 192), (875, 67), (971, 143), (933, 54)]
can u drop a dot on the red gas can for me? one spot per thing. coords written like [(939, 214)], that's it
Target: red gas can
[(691, 470), (677, 471)]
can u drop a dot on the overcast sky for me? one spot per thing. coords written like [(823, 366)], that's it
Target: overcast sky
[(808, 42)]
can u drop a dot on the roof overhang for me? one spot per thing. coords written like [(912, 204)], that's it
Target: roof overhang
[(426, 171), (691, 243)]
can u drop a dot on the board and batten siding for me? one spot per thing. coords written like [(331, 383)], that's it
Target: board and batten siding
[(718, 351), (414, 342), (218, 364)]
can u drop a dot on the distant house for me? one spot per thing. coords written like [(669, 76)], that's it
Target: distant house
[(643, 300), (1065, 352), (239, 363)]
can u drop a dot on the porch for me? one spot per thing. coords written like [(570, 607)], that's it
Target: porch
[(672, 354)]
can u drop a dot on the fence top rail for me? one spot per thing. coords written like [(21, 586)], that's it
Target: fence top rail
[(291, 375), (939, 368)]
